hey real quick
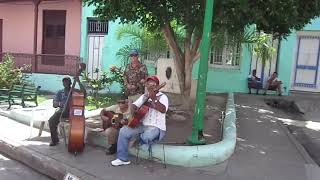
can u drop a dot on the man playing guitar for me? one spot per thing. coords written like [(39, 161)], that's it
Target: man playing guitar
[(153, 124), (113, 118)]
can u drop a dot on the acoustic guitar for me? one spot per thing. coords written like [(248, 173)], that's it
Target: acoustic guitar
[(142, 111), (114, 120)]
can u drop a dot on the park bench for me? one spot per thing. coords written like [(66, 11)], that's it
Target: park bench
[(253, 85), (19, 94), (12, 94), (259, 86), (4, 93), (30, 93)]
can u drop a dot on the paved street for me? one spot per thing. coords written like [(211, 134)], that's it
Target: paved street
[(13, 170)]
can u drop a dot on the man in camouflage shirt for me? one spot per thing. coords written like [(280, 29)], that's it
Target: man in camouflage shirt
[(134, 77)]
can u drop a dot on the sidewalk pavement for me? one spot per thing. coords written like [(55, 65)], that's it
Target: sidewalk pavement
[(309, 133), (265, 146), (265, 151)]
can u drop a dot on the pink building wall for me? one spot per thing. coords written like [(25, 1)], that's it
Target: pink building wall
[(73, 24), (18, 25)]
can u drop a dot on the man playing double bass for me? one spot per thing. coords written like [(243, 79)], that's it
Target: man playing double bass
[(60, 102), (153, 124)]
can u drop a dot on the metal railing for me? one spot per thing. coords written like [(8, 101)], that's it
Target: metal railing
[(46, 63), (95, 26)]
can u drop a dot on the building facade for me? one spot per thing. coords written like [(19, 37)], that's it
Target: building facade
[(44, 34)]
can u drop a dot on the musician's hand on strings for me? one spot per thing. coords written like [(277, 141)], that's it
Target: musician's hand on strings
[(55, 104), (152, 95), (103, 115), (145, 96), (58, 104), (105, 118), (124, 121)]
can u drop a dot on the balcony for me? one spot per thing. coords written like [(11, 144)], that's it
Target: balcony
[(46, 63)]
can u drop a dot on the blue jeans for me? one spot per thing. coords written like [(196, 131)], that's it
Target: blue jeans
[(146, 135)]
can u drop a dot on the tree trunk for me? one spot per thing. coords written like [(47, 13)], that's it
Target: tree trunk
[(187, 72), (178, 61), (183, 61)]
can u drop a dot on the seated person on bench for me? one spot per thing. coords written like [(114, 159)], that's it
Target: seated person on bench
[(273, 83), (112, 123), (255, 81)]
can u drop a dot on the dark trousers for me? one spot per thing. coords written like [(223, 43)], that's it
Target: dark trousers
[(54, 122)]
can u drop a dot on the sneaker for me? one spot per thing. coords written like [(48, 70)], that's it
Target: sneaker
[(119, 162)]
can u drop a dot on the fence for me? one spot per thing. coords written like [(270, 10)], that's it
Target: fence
[(46, 63)]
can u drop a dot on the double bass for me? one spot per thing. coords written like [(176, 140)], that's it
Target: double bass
[(76, 117)]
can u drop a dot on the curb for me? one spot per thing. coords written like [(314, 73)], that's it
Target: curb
[(39, 162), (305, 155), (202, 155)]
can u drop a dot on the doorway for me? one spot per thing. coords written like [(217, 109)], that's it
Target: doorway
[(53, 43)]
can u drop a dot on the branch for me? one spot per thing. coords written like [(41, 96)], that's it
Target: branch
[(171, 39), (179, 63), (187, 49), (196, 45)]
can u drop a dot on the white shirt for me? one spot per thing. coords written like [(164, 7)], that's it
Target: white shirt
[(154, 117), (274, 80)]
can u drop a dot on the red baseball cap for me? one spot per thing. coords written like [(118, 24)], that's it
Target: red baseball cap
[(153, 78)]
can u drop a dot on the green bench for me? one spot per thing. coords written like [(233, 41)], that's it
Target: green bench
[(4, 93), (19, 94)]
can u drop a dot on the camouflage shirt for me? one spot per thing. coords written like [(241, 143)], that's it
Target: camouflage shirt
[(133, 76)]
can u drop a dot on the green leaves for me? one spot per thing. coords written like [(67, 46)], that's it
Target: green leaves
[(231, 19), (147, 42), (262, 47), (276, 17), (105, 80), (9, 74)]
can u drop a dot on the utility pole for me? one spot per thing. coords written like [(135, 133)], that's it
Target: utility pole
[(197, 128)]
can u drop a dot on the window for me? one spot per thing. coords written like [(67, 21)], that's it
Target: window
[(227, 56), (97, 27), (49, 31), (153, 56), (60, 31)]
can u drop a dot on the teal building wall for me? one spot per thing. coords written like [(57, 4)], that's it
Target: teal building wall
[(288, 53), (222, 80)]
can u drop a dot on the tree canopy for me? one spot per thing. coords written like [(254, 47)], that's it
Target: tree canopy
[(231, 18), (277, 17)]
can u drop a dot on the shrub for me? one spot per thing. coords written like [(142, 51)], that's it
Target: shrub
[(105, 80), (9, 74), (117, 76)]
